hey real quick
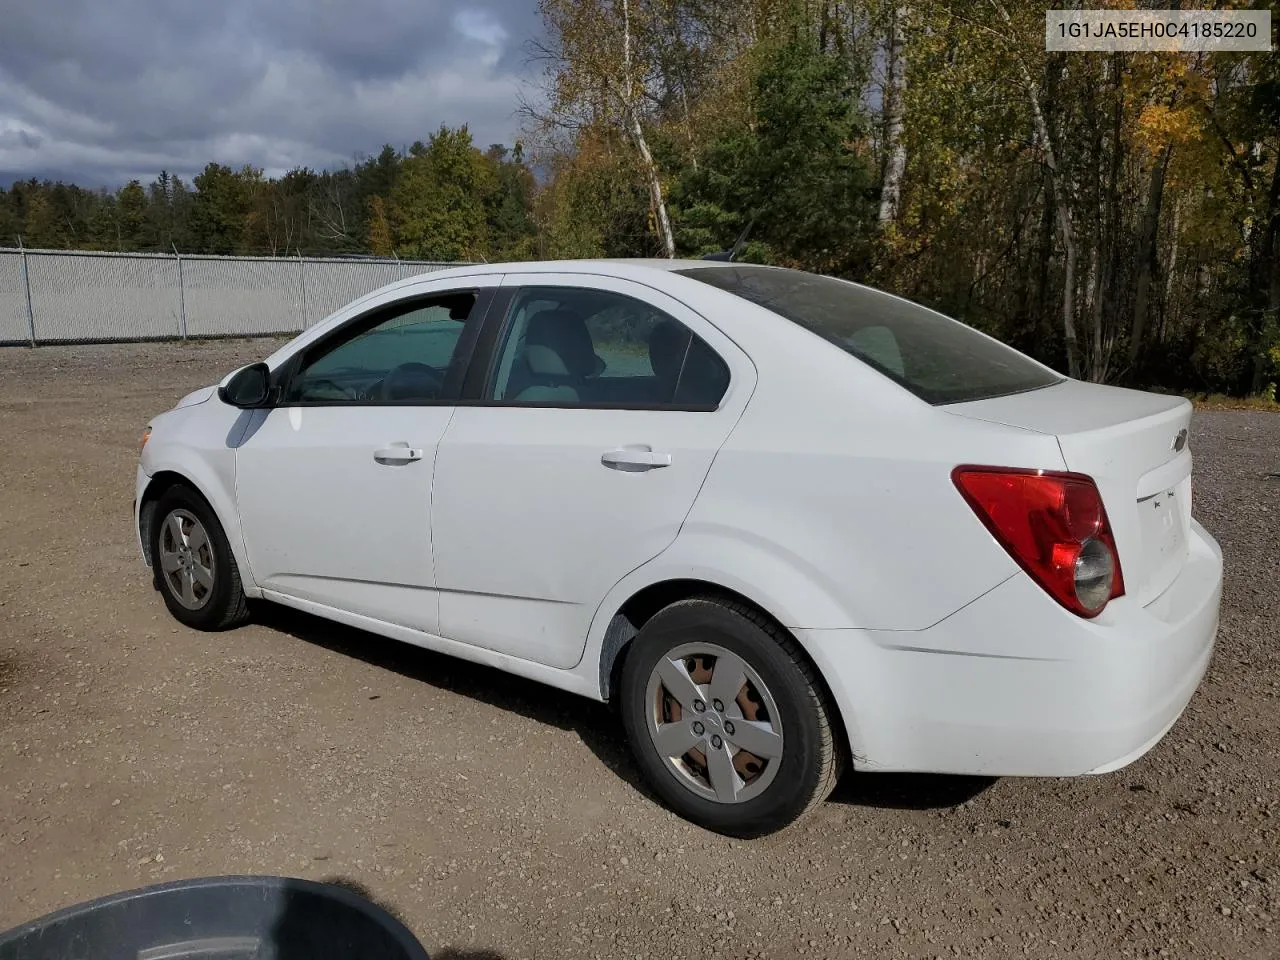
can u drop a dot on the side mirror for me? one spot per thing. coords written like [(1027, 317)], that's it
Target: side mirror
[(249, 389)]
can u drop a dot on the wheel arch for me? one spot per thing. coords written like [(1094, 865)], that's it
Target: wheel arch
[(628, 617), (155, 489), (223, 507)]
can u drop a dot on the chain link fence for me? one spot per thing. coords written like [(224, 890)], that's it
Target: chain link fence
[(60, 296)]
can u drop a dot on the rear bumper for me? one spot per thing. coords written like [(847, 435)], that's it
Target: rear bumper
[(1014, 685)]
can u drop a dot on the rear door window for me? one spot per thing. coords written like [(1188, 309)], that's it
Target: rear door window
[(938, 359), (579, 347)]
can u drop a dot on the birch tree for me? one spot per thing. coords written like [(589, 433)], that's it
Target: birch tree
[(599, 54), (894, 102)]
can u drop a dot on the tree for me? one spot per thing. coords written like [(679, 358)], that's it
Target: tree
[(279, 218), (40, 228), (169, 204), (790, 169), (595, 204), (894, 105), (602, 75), (104, 226), (9, 222), (510, 221), (378, 229), (377, 175), (335, 216), (1254, 114), (220, 212), (1165, 124), (131, 217), (438, 205)]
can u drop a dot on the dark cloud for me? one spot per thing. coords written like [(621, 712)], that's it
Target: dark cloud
[(101, 92)]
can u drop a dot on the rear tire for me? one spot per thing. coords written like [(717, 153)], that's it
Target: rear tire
[(194, 568), (712, 677)]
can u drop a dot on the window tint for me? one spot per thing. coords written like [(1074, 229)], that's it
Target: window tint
[(938, 359), (402, 354), (575, 347)]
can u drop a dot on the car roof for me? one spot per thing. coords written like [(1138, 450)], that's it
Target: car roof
[(622, 267), (602, 264)]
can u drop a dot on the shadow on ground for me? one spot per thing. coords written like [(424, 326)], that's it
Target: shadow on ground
[(445, 953), (360, 890), (908, 791), (595, 723)]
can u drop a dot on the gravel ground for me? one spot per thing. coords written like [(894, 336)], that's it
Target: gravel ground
[(499, 818)]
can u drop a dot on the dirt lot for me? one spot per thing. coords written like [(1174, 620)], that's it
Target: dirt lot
[(499, 818)]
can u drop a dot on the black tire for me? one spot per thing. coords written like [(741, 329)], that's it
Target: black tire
[(224, 605), (811, 752)]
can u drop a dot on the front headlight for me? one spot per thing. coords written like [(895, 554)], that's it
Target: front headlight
[(146, 435)]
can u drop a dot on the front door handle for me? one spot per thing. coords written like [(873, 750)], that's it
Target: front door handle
[(635, 459), (397, 453)]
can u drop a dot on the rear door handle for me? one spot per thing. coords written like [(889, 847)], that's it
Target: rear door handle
[(397, 453), (635, 459)]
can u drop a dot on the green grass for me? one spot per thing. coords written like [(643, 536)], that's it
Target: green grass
[(1218, 401)]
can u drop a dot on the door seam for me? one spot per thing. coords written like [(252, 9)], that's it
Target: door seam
[(431, 504), (683, 520)]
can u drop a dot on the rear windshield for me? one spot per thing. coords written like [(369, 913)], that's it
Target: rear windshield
[(938, 359)]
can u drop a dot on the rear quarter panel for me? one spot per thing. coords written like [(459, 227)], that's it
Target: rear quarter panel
[(834, 495)]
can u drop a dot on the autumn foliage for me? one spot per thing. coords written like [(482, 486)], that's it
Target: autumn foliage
[(1115, 215)]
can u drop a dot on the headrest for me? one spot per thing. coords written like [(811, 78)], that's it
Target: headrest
[(558, 344), (667, 343)]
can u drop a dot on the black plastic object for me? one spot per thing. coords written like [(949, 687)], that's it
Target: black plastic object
[(218, 918)]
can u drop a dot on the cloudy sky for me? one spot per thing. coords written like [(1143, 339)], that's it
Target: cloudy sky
[(101, 91)]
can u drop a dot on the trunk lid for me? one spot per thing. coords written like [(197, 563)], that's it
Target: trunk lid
[(1135, 447)]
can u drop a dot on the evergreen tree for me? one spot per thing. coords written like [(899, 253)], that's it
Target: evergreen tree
[(438, 206)]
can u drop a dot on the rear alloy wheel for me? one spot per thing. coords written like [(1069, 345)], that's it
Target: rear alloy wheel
[(727, 719), (714, 722), (195, 571)]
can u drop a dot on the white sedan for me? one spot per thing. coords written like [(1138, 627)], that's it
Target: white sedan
[(785, 522)]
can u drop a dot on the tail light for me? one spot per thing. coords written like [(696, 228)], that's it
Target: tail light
[(1054, 525)]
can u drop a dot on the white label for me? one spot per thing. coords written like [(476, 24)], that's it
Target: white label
[(1174, 31)]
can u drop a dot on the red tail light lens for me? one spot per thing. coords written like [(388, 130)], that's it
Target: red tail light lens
[(1054, 525)]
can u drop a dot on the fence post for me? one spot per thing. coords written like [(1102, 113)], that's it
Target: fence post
[(302, 283), (26, 284), (182, 296)]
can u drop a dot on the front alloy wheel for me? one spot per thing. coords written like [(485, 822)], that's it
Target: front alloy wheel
[(194, 568), (187, 567)]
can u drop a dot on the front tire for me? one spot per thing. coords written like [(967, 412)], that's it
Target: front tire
[(195, 570), (727, 719)]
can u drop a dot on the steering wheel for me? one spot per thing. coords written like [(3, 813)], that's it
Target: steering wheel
[(412, 381)]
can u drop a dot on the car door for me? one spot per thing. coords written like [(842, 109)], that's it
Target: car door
[(576, 456), (333, 482)]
